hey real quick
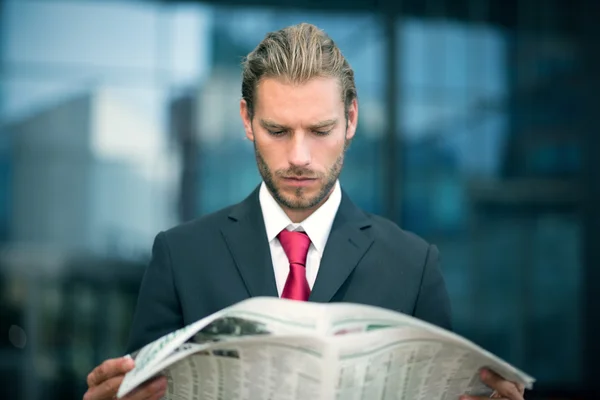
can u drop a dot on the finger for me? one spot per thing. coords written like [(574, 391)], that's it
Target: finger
[(154, 388), (504, 388), (521, 388), (105, 391), (480, 398), (158, 396), (109, 369)]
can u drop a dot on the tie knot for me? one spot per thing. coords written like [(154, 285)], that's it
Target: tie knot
[(295, 245)]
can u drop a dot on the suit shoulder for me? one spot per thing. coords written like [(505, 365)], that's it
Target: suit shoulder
[(390, 232), (200, 225)]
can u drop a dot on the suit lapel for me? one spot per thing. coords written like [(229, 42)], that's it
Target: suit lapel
[(246, 238), (347, 244)]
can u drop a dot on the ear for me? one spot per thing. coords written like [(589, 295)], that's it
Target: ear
[(246, 120), (352, 119)]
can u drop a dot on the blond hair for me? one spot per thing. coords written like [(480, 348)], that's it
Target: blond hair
[(296, 54)]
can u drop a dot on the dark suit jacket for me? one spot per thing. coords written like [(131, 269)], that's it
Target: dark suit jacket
[(202, 266)]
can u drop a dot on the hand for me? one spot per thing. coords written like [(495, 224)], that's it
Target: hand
[(104, 381), (504, 390)]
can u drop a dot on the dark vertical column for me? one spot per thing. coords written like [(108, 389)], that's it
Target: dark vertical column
[(184, 129), (590, 35), (5, 155), (2, 35), (392, 147)]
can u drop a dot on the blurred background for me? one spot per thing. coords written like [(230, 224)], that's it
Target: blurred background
[(478, 131)]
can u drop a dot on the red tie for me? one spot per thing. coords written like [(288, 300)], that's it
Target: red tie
[(295, 245)]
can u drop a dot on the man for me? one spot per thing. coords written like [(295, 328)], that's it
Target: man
[(298, 235)]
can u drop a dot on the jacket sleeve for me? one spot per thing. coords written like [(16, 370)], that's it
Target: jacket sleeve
[(158, 310), (433, 302)]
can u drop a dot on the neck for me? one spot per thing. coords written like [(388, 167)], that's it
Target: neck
[(297, 216)]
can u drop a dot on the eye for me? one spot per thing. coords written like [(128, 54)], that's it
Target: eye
[(322, 133), (276, 133)]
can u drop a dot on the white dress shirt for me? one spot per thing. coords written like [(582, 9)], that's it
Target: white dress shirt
[(317, 226)]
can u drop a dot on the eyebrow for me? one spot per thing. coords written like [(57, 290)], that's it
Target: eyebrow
[(267, 124)]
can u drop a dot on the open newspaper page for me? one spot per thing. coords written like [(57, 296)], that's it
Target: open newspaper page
[(281, 368), (410, 363), (148, 358), (283, 349), (257, 317)]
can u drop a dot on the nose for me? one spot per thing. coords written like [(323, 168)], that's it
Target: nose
[(299, 151)]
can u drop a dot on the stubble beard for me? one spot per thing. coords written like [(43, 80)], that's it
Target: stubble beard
[(300, 200)]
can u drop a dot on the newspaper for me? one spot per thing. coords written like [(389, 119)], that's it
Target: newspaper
[(270, 348)]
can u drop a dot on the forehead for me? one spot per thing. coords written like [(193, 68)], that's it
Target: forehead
[(316, 98)]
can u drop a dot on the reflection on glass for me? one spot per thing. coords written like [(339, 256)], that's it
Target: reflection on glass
[(476, 140)]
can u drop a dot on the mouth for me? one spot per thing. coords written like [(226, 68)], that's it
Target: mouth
[(299, 181)]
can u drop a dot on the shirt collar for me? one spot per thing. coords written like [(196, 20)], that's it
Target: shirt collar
[(317, 226)]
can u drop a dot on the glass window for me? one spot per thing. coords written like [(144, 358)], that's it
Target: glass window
[(465, 124)]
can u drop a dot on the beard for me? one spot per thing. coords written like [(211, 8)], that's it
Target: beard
[(300, 199)]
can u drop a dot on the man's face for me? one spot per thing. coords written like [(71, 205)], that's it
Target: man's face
[(300, 133)]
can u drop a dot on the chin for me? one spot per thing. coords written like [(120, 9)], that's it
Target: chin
[(304, 201)]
